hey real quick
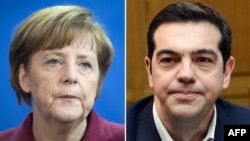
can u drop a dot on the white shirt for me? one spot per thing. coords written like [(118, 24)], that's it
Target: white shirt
[(165, 135)]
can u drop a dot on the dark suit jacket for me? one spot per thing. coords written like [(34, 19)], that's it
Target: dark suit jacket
[(98, 129), (140, 124)]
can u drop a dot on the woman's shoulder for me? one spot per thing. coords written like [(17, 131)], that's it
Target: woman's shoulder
[(115, 128), (6, 135), (22, 132), (100, 128)]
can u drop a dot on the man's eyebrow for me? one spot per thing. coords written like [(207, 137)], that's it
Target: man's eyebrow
[(206, 51), (166, 51)]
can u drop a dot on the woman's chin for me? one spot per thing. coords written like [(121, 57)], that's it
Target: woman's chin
[(68, 115)]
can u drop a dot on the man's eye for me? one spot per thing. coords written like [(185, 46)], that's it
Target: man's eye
[(204, 60), (168, 60)]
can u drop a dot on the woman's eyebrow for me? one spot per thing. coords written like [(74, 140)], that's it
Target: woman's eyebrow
[(56, 53), (63, 54)]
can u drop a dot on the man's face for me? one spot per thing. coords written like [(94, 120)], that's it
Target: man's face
[(187, 68), (63, 82)]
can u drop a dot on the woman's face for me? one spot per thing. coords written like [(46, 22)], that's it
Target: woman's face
[(63, 82)]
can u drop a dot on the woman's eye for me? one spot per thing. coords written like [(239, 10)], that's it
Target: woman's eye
[(85, 65), (53, 62)]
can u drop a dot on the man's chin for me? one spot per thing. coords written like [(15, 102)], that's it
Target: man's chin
[(185, 111)]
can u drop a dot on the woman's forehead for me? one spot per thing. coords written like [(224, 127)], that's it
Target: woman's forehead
[(81, 40)]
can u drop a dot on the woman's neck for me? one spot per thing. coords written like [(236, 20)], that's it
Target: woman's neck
[(52, 130)]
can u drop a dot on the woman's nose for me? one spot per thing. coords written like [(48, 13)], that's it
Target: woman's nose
[(69, 75)]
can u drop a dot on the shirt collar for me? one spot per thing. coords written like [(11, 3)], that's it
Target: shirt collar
[(211, 130), (165, 135)]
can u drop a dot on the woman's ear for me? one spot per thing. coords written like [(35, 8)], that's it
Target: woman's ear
[(228, 71), (24, 79)]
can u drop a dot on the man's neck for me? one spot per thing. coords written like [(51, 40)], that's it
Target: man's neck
[(192, 129)]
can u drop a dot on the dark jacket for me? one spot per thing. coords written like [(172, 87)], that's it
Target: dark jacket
[(98, 130), (140, 124)]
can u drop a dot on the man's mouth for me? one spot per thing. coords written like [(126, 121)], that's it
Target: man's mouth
[(185, 95)]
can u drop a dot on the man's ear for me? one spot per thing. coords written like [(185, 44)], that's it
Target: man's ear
[(24, 80), (148, 68), (228, 71)]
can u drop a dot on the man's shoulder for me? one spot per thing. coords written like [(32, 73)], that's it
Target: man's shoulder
[(233, 112), (139, 121), (140, 111), (138, 106), (226, 105)]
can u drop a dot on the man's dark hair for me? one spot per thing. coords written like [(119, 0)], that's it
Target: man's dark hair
[(195, 12)]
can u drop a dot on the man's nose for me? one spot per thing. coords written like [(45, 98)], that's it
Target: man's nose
[(186, 72)]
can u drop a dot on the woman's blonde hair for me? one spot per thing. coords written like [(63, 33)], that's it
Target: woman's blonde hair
[(54, 28)]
